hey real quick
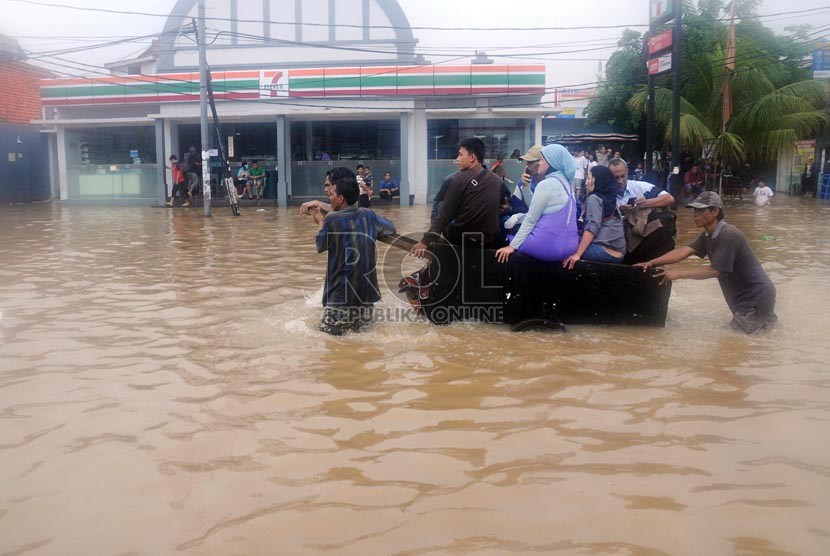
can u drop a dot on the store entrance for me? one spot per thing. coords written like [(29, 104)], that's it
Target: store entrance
[(242, 142)]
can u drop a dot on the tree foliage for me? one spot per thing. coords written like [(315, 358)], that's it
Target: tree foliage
[(624, 71), (774, 102)]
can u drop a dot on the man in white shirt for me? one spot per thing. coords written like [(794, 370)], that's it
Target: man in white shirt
[(648, 233), (579, 175), (640, 191), (763, 194)]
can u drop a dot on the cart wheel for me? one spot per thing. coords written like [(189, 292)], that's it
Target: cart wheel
[(538, 324)]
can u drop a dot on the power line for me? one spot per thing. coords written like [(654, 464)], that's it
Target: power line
[(626, 81), (37, 55), (410, 28)]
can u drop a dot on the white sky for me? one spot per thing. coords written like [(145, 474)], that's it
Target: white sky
[(24, 21)]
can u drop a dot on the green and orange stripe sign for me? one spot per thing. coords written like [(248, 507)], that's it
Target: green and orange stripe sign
[(409, 81)]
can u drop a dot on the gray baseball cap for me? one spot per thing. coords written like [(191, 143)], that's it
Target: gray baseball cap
[(707, 199)]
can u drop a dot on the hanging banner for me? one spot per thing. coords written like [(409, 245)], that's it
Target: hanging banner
[(659, 43), (659, 65), (821, 60), (803, 152)]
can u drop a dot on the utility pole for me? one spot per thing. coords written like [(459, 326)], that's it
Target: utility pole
[(203, 118), (649, 168), (675, 110), (660, 40)]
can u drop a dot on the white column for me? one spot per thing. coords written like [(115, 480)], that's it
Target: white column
[(537, 138), (419, 155), (171, 147), (54, 192), (783, 174), (405, 179), (309, 141), (161, 162), (63, 183)]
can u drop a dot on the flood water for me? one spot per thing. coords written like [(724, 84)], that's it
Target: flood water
[(164, 390)]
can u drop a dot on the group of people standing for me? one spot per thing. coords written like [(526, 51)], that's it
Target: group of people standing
[(187, 176), (388, 187), (621, 218)]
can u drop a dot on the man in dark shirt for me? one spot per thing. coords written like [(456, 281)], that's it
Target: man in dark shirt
[(470, 209), (388, 188), (349, 235), (693, 181), (748, 290)]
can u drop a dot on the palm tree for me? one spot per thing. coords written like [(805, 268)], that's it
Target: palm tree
[(773, 106)]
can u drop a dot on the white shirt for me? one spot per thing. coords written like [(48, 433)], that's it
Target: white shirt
[(636, 189), (763, 195), (581, 163)]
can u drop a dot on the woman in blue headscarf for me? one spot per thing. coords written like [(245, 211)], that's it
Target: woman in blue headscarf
[(548, 232), (603, 238)]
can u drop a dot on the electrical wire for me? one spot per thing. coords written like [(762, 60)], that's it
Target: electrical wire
[(715, 64), (410, 28)]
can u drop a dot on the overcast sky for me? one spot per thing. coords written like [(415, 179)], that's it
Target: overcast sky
[(25, 21)]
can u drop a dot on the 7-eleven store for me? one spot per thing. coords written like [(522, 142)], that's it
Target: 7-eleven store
[(113, 134)]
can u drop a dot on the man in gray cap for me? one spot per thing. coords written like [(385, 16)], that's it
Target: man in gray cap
[(748, 290)]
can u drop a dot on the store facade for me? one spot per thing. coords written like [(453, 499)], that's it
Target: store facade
[(359, 94)]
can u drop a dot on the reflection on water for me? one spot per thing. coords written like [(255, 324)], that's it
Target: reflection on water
[(163, 390)]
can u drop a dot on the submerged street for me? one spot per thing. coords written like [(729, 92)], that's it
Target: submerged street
[(164, 389)]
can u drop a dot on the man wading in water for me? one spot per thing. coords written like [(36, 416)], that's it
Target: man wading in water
[(349, 234), (748, 290)]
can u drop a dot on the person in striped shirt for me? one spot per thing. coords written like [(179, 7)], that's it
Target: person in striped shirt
[(349, 235)]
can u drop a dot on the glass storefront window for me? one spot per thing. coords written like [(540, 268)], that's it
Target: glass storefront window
[(307, 177), (501, 136), (110, 162), (251, 141), (346, 140)]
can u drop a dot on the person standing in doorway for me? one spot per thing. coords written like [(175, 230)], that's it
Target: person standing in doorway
[(193, 169), (178, 180), (579, 176), (365, 198), (808, 179)]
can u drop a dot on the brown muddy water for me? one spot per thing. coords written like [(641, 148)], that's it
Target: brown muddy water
[(163, 390)]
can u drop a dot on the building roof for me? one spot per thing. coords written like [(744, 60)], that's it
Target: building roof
[(10, 49)]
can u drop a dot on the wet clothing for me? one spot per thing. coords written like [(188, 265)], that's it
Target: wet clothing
[(763, 195), (469, 207), (747, 289), (337, 320), (349, 236)]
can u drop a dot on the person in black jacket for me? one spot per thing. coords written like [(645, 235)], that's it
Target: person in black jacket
[(470, 207)]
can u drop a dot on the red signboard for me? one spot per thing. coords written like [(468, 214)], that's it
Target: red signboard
[(660, 42), (659, 65)]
